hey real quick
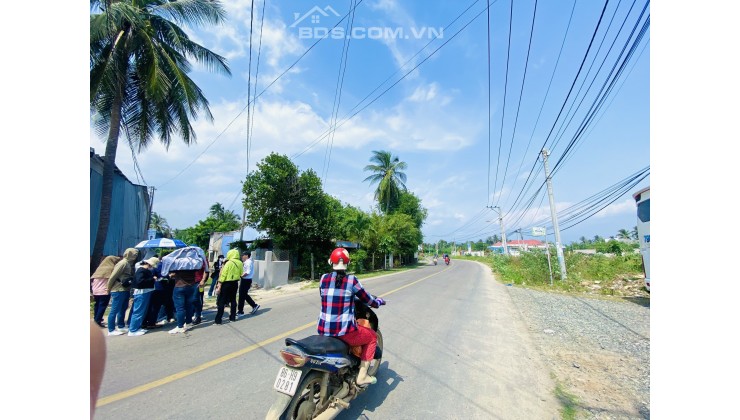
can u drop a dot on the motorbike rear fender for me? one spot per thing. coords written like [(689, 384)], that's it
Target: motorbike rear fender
[(283, 400)]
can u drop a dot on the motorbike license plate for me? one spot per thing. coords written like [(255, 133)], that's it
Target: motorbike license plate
[(287, 380)]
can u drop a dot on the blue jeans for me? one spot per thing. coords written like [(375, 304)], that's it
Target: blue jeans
[(101, 303), (184, 298), (117, 314), (214, 280), (141, 307)]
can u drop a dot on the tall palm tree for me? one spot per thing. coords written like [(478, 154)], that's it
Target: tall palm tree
[(624, 234), (139, 65), (387, 174), (160, 224)]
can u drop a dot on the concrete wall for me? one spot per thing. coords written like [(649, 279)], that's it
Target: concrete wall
[(270, 274)]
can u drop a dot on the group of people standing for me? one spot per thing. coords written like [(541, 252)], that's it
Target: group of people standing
[(163, 291)]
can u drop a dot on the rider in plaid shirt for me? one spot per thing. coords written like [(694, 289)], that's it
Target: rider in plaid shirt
[(337, 304), (337, 318)]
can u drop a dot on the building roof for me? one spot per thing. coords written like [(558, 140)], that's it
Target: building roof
[(527, 242)]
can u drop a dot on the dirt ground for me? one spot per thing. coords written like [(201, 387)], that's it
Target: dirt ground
[(605, 370)]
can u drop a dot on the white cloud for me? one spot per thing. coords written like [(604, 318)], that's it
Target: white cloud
[(626, 206)]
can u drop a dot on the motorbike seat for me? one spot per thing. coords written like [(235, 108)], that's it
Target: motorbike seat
[(319, 344)]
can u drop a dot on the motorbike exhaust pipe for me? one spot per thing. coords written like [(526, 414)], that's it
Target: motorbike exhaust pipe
[(339, 403), (330, 413)]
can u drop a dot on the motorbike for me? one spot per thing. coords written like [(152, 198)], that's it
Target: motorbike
[(435, 261), (447, 260), (318, 379)]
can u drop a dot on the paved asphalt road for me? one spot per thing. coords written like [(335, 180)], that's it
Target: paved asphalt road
[(455, 348)]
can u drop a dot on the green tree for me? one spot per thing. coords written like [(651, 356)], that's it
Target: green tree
[(624, 234), (387, 174), (290, 206), (352, 224), (160, 224), (634, 233), (139, 65), (410, 204), (218, 220), (480, 245)]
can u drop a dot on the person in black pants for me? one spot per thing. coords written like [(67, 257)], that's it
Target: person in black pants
[(246, 283), (228, 285)]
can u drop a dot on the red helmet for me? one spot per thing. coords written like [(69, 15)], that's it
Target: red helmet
[(339, 259)]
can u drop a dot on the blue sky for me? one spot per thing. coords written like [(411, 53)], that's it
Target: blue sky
[(436, 119)]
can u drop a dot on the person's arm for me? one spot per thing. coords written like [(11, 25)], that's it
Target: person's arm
[(97, 364), (205, 276), (364, 296), (116, 274)]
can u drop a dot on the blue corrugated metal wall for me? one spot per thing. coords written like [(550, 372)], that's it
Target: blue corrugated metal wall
[(128, 215)]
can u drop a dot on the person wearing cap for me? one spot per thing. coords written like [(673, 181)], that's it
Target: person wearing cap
[(143, 286), (245, 284)]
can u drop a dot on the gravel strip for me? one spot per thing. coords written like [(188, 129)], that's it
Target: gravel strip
[(599, 350)]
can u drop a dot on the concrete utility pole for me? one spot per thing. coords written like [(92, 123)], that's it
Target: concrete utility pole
[(241, 233), (553, 213), (521, 240), (503, 231)]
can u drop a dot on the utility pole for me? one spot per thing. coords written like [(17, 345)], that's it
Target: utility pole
[(503, 231), (244, 216), (521, 240), (151, 204), (553, 213)]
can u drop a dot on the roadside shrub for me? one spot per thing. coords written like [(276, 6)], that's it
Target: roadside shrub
[(531, 269), (358, 264)]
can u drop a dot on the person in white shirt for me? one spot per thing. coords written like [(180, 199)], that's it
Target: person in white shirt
[(245, 284)]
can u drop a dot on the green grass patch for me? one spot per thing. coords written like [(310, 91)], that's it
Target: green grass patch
[(568, 402), (600, 274)]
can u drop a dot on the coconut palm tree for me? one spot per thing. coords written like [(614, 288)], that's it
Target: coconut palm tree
[(160, 224), (624, 234), (139, 65), (387, 174)]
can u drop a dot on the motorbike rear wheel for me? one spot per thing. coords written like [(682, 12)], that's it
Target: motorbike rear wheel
[(306, 397), (375, 363)]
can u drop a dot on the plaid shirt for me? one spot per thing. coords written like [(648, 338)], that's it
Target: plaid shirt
[(338, 306)]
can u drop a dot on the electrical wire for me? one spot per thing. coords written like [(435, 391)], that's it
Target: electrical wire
[(521, 94), (290, 67)]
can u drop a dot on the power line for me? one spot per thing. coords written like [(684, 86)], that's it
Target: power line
[(349, 117), (488, 41), (338, 91), (254, 99), (521, 93), (542, 106), (503, 110)]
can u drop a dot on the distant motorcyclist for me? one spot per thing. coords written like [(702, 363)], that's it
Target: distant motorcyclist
[(337, 318)]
